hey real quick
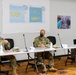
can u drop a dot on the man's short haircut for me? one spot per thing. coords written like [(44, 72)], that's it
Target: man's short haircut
[(42, 30)]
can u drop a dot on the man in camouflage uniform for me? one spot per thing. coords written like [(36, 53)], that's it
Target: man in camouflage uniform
[(12, 58), (42, 41)]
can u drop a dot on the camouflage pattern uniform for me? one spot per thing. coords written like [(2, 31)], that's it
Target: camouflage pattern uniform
[(10, 57), (40, 56)]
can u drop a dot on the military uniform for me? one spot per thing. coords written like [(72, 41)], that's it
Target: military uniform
[(10, 57), (40, 56)]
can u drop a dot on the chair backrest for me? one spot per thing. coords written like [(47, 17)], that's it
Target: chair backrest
[(11, 41), (52, 39), (74, 41)]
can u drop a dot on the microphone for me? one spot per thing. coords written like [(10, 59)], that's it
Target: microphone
[(60, 40), (25, 42)]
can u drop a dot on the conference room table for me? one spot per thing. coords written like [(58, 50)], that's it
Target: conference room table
[(23, 51)]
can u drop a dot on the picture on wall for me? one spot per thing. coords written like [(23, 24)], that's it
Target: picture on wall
[(37, 14), (18, 13), (63, 22)]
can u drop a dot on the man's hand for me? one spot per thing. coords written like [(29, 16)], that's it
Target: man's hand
[(5, 41), (42, 45)]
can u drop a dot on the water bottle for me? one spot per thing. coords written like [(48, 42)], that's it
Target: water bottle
[(1, 49), (51, 45)]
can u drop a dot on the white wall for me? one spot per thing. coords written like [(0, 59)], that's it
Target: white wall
[(57, 7), (28, 27), (0, 16), (63, 7)]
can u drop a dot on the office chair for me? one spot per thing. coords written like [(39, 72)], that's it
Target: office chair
[(71, 54), (53, 40), (11, 41)]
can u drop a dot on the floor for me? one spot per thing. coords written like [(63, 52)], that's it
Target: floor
[(70, 69)]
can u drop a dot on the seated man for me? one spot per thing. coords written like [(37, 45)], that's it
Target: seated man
[(42, 41), (12, 59)]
